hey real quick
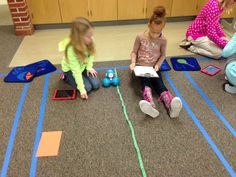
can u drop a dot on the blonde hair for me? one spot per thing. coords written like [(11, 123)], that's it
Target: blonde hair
[(225, 5), (158, 16), (79, 28)]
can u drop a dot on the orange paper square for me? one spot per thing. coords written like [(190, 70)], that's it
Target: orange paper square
[(49, 144)]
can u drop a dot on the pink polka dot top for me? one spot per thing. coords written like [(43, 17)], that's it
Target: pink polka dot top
[(207, 23)]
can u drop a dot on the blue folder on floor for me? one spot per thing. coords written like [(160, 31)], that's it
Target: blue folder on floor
[(185, 64), (165, 66), (28, 72), (43, 67)]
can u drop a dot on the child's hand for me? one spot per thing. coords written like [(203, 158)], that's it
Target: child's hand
[(225, 39), (156, 67), (131, 66), (92, 72), (84, 96)]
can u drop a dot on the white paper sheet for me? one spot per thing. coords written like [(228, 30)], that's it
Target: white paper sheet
[(145, 71)]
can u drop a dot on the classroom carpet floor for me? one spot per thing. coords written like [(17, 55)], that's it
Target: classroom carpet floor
[(108, 135)]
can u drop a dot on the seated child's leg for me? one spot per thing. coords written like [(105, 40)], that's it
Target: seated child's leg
[(230, 49), (230, 72), (145, 82), (204, 46), (87, 84), (147, 91), (158, 84), (95, 82), (173, 104), (147, 105), (68, 78)]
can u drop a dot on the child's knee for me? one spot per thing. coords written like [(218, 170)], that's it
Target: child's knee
[(230, 71), (96, 84), (88, 87), (217, 54)]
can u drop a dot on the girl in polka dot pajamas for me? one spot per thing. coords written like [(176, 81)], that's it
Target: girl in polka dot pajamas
[(205, 36)]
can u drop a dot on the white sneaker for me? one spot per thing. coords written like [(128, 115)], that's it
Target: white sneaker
[(229, 88), (175, 107), (147, 108)]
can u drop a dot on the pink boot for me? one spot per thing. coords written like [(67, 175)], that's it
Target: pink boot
[(147, 95), (173, 104), (147, 105)]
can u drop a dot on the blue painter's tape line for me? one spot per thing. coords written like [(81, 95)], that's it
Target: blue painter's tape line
[(211, 105), (201, 128), (13, 131), (34, 159)]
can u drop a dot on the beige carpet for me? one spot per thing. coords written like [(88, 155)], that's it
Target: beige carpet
[(112, 43)]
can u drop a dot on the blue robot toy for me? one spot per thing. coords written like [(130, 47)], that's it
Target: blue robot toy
[(110, 79)]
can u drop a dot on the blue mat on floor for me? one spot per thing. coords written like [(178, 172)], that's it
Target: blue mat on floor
[(43, 67), (21, 74), (27, 73), (185, 64), (165, 66)]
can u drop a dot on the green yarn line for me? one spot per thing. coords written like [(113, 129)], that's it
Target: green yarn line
[(132, 131)]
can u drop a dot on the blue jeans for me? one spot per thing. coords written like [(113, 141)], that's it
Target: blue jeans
[(157, 83), (90, 83)]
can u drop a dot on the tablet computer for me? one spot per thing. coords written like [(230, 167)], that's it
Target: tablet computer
[(211, 69), (64, 94)]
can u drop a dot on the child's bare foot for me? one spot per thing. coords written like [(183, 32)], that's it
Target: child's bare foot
[(185, 44)]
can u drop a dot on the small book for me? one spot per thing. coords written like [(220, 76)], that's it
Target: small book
[(145, 71)]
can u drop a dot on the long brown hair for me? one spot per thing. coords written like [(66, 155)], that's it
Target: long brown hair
[(158, 16), (79, 28)]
